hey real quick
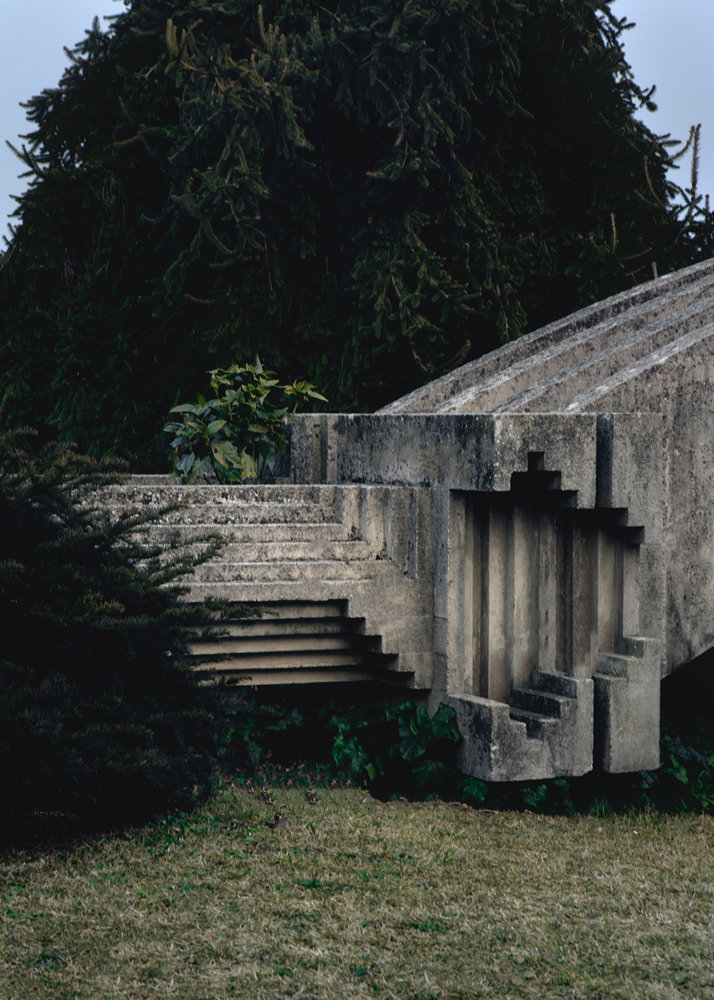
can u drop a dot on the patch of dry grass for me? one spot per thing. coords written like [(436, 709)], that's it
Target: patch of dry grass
[(352, 898)]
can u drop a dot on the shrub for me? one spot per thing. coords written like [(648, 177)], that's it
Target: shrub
[(238, 434), (100, 716)]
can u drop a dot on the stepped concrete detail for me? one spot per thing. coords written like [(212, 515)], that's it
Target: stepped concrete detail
[(529, 538)]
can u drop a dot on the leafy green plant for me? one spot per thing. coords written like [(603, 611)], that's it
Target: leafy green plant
[(389, 742), (240, 432)]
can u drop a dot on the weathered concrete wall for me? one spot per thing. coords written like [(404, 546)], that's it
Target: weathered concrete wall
[(547, 572)]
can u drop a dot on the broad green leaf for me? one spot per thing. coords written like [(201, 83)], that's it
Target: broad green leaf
[(677, 770), (420, 720), (395, 711), (430, 774), (536, 797), (248, 466), (196, 470), (219, 457), (443, 725), (474, 790), (413, 746), (216, 425), (228, 454)]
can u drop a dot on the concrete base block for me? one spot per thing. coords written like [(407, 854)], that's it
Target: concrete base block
[(627, 696)]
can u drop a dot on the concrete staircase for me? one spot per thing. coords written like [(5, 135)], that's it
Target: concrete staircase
[(528, 538), (330, 583)]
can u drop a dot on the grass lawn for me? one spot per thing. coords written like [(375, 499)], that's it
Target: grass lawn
[(350, 897)]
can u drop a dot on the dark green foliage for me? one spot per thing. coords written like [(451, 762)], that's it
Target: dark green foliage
[(389, 744), (365, 193), (397, 750), (100, 717), (344, 732), (239, 431)]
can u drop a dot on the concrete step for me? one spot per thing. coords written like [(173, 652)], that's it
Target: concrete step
[(298, 642), (547, 386), (310, 675), (538, 702), (524, 380), (283, 571), (296, 556), (615, 666), (314, 550), (200, 515), (254, 533), (605, 393), (556, 683), (288, 644), (255, 628), (287, 611), (538, 727), (284, 661), (253, 592), (133, 494)]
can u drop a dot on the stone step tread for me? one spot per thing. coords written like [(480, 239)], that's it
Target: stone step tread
[(282, 610), (132, 494), (255, 533), (615, 665), (287, 660), (256, 627), (537, 725), (315, 550), (540, 702), (556, 683), (286, 571), (312, 675), (203, 515), (276, 590), (285, 643), (589, 397)]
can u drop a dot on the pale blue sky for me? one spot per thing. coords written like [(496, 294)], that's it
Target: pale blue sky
[(672, 47)]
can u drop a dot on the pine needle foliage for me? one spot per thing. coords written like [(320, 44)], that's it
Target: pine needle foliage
[(100, 717), (366, 193)]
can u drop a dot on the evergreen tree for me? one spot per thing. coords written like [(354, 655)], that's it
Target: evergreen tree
[(100, 716), (366, 193)]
